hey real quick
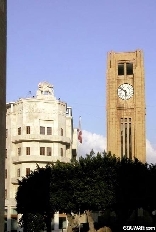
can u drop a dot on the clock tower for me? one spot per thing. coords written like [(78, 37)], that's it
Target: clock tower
[(126, 105)]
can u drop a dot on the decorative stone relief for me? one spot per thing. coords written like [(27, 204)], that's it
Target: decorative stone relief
[(45, 88)]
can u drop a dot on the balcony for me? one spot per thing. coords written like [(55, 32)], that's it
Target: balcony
[(42, 138), (10, 201), (14, 181), (38, 159)]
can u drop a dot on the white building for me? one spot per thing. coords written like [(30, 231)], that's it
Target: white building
[(39, 131)]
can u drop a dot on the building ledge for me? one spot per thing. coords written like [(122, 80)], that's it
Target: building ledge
[(10, 202), (14, 180), (125, 106), (38, 159), (42, 138)]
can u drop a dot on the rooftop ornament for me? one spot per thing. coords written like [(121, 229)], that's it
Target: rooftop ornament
[(45, 88)]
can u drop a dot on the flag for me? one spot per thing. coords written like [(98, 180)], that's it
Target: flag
[(80, 131)]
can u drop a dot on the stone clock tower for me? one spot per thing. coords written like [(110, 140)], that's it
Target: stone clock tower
[(126, 105)]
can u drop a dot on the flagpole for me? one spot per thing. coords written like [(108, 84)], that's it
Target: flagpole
[(78, 153), (79, 138)]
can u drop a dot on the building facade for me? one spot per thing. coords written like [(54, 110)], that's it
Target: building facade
[(126, 105), (3, 31), (39, 131)]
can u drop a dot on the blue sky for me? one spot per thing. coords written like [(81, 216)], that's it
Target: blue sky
[(66, 42)]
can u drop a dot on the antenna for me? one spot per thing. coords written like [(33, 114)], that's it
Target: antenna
[(29, 94)]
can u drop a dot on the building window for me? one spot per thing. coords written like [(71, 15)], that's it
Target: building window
[(6, 133), (49, 131), (28, 130), (27, 171), (121, 137), (5, 193), (27, 150), (62, 152), (130, 142), (5, 211), (48, 151), (126, 138), (42, 130), (120, 69), (5, 173), (62, 223), (61, 132), (6, 153), (19, 150), (19, 131), (125, 69), (129, 68), (18, 172), (42, 150)]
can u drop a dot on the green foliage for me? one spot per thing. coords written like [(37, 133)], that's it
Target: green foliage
[(151, 190), (132, 182), (32, 222), (94, 189), (87, 184), (96, 182), (33, 192), (33, 197), (61, 189)]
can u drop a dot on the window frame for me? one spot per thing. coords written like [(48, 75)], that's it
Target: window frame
[(28, 130), (129, 68), (6, 174), (19, 150), (61, 151), (49, 130), (121, 65), (27, 171), (19, 130), (49, 150), (42, 150), (18, 172), (42, 130), (125, 68), (27, 150)]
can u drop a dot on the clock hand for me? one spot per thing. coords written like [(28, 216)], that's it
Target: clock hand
[(124, 90)]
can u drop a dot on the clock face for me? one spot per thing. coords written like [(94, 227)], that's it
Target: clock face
[(125, 91)]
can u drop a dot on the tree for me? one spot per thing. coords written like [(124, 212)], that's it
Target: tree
[(85, 185), (96, 189), (33, 196), (151, 186), (131, 188), (95, 183), (32, 222), (62, 192)]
